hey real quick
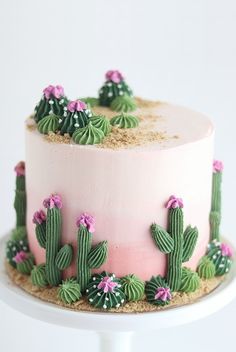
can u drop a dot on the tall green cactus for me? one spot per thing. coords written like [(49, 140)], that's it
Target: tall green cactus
[(20, 195), (215, 214), (88, 257), (176, 243)]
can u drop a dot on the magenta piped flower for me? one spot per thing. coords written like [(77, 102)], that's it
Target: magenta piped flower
[(54, 201), (20, 169), (87, 221), (163, 294), (174, 203), (114, 76), (53, 92), (76, 105), (107, 285), (39, 217), (226, 250), (218, 166), (20, 257)]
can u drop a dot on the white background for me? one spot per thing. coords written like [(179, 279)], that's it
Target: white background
[(183, 51)]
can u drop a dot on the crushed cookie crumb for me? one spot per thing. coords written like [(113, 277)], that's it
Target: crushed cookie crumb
[(57, 138)]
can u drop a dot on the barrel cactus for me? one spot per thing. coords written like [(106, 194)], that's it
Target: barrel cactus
[(24, 262), (124, 121), (157, 291), (221, 256), (206, 268), (133, 287), (190, 280), (69, 291), (13, 247), (38, 276), (19, 233), (124, 103), (102, 123)]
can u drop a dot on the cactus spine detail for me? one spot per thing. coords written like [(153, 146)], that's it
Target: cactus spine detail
[(20, 195), (215, 215)]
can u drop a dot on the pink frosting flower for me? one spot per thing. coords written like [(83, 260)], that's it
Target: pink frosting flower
[(114, 76), (163, 294), (107, 285), (174, 203), (54, 201), (53, 92), (226, 250), (39, 217), (218, 166), (20, 257), (87, 221), (76, 105), (20, 169)]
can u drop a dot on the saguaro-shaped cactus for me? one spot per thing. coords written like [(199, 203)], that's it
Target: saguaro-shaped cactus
[(177, 243), (215, 214), (88, 257), (20, 194)]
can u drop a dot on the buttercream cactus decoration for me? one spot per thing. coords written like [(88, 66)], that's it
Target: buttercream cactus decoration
[(20, 195), (157, 291), (133, 287), (176, 243), (24, 262), (206, 268), (38, 276), (48, 234), (69, 291), (105, 291), (190, 281), (215, 214), (76, 115), (52, 103), (115, 86), (13, 247), (221, 256), (88, 257)]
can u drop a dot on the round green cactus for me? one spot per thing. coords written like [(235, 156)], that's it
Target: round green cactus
[(123, 103), (206, 268), (157, 291), (125, 121), (133, 287), (69, 291), (25, 267), (102, 123), (190, 280), (38, 276), (88, 135), (48, 124), (220, 254), (13, 247), (19, 233), (90, 101)]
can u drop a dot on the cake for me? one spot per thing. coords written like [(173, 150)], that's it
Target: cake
[(119, 205)]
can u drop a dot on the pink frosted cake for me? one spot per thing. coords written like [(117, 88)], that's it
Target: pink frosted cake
[(122, 202)]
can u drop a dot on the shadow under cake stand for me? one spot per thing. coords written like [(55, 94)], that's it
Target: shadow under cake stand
[(114, 329)]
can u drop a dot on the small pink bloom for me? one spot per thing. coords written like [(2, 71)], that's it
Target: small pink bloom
[(107, 285), (54, 201), (218, 166), (174, 203), (20, 169), (53, 92), (39, 217), (76, 105), (20, 257), (226, 250), (114, 76), (163, 294), (87, 221)]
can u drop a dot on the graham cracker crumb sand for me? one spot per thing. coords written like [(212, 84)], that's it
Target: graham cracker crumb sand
[(57, 138), (50, 295)]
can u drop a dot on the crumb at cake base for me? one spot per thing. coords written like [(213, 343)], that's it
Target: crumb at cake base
[(50, 295)]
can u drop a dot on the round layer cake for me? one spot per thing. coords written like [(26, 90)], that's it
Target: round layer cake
[(124, 183)]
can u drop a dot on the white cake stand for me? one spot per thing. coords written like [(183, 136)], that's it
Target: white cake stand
[(115, 330)]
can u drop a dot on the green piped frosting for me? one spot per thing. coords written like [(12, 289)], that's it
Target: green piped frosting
[(69, 291), (151, 290), (13, 247), (162, 239), (110, 90), (52, 106), (124, 121), (26, 266), (88, 135), (102, 123), (222, 262), (19, 233), (84, 241), (64, 257), (20, 201), (38, 276), (48, 124), (106, 300), (215, 214), (40, 231), (133, 287), (190, 241), (72, 121), (90, 101), (98, 255), (123, 103), (206, 268), (190, 280)]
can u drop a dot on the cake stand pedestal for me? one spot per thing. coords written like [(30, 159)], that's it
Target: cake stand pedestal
[(114, 329)]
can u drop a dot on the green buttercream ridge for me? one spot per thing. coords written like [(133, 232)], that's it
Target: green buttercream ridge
[(189, 244), (88, 135), (98, 255), (162, 239), (222, 263), (215, 215), (48, 124), (90, 101), (84, 245), (40, 231), (124, 121), (123, 104), (20, 201), (133, 287), (19, 233), (38, 276), (52, 106), (110, 90), (190, 280), (64, 257), (13, 247), (102, 123), (26, 266), (206, 268), (71, 121), (69, 291), (99, 299), (151, 289)]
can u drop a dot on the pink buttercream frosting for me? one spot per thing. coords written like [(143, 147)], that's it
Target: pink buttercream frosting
[(76, 105), (39, 217), (218, 166), (20, 257), (87, 221), (53, 92), (226, 250), (107, 285), (20, 169), (163, 294), (174, 203), (54, 201), (114, 76)]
